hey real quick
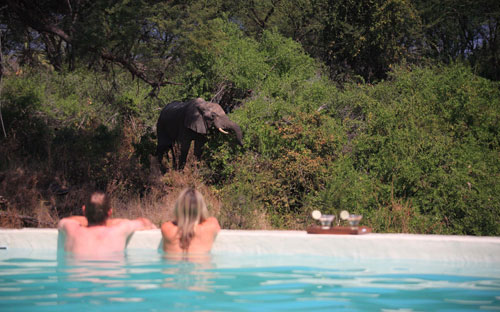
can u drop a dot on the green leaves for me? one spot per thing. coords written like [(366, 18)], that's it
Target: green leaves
[(418, 153), (423, 139), (219, 57)]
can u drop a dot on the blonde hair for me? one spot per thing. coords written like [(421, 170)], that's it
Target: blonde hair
[(190, 210)]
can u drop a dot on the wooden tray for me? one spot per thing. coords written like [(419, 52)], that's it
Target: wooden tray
[(342, 230)]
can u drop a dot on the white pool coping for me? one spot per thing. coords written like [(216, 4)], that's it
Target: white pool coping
[(367, 246)]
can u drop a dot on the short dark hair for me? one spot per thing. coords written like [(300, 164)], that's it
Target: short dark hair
[(97, 208)]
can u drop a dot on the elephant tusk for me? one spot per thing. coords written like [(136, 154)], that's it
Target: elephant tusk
[(222, 130)]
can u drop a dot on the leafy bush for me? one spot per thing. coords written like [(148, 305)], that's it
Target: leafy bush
[(418, 153), (427, 136), (73, 123), (421, 136), (22, 100), (273, 65)]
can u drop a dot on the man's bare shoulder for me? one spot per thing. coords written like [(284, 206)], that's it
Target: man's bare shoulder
[(72, 222)]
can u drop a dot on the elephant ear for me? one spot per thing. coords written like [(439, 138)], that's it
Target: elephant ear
[(193, 119)]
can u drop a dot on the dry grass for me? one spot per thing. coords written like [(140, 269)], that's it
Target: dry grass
[(10, 219), (240, 213), (39, 195), (30, 198), (158, 203), (399, 216)]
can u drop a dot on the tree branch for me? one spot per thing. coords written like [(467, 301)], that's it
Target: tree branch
[(132, 68), (26, 12)]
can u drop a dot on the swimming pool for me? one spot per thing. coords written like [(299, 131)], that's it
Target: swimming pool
[(300, 273)]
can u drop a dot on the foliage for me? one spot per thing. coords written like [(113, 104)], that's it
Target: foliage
[(368, 36), (144, 37), (227, 58), (231, 60), (24, 99), (73, 122), (416, 152), (410, 154), (463, 29), (153, 39), (353, 38)]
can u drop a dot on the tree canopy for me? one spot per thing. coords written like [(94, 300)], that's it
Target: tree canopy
[(355, 39)]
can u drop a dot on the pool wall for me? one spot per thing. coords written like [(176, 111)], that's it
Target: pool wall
[(368, 246)]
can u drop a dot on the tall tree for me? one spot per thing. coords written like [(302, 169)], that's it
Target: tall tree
[(463, 29), (353, 37), (140, 35)]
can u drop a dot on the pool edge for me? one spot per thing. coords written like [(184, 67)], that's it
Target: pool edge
[(368, 246)]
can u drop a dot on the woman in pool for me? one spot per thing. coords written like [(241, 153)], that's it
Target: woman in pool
[(192, 231)]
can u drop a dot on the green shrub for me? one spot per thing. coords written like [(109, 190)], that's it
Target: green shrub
[(274, 65), (80, 124), (426, 136), (417, 153), (22, 99)]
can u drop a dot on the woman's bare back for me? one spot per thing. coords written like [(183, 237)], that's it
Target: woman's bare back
[(204, 237)]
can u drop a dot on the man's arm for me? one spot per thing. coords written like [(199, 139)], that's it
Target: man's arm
[(80, 220), (71, 224), (146, 223), (168, 230), (138, 224)]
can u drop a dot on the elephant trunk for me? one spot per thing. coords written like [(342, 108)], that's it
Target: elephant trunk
[(239, 134), (230, 125)]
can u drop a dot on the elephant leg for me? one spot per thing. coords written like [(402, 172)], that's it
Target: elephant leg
[(160, 150), (163, 147), (173, 150), (198, 147), (185, 145)]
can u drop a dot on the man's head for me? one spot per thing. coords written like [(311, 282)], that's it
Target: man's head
[(97, 209)]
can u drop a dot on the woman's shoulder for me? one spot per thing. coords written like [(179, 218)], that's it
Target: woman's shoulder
[(169, 228), (211, 223), (212, 220)]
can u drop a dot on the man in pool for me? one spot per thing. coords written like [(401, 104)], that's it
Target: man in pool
[(96, 233)]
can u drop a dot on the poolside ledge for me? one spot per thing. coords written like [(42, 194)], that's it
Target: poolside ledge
[(368, 246)]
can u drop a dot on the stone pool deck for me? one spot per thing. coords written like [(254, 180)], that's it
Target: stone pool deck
[(367, 246)]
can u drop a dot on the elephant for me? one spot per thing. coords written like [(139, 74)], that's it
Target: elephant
[(183, 122)]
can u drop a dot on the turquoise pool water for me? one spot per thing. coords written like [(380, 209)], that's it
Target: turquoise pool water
[(145, 280)]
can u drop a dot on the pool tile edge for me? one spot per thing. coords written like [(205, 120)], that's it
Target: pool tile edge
[(369, 246)]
